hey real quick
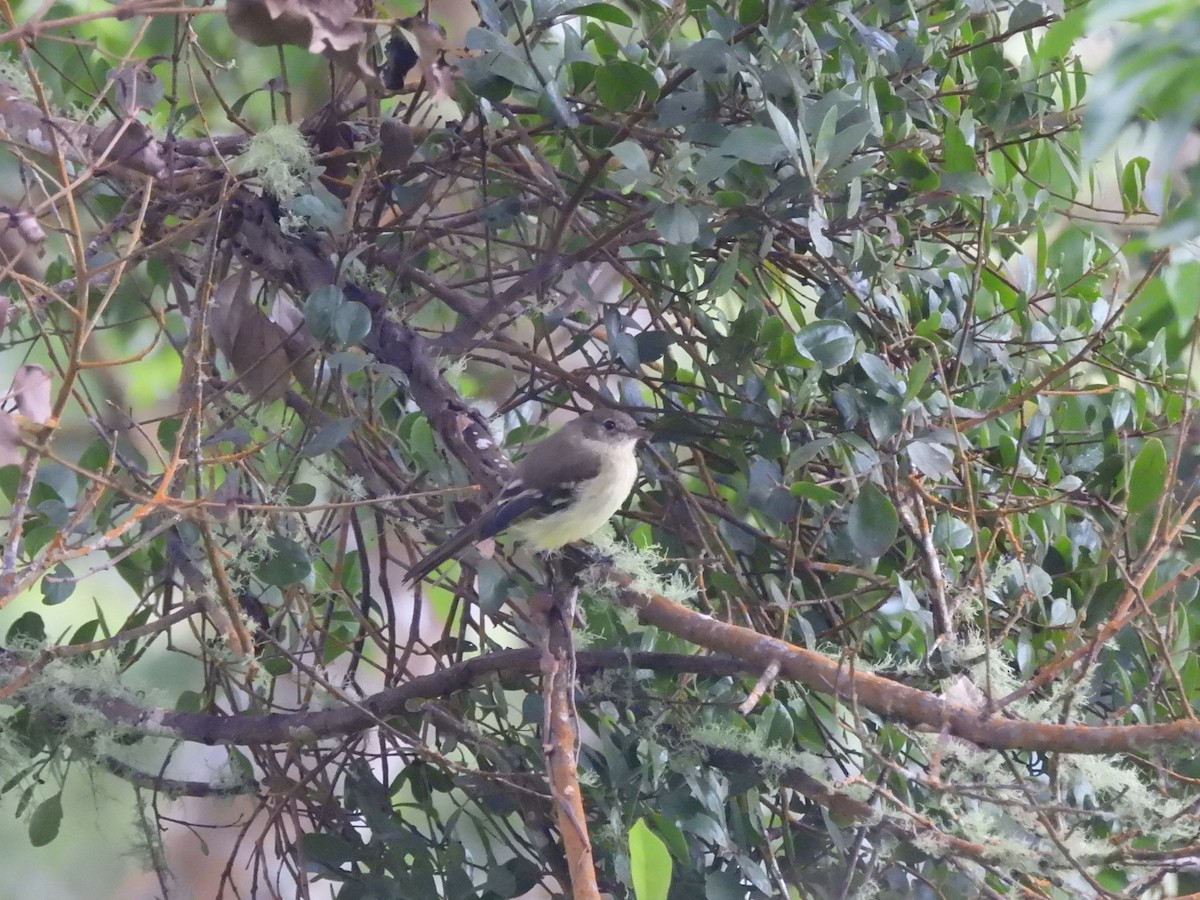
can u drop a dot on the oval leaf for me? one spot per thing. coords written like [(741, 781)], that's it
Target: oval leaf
[(826, 341), (320, 308), (677, 224), (1147, 476), (619, 84), (58, 585), (649, 863), (28, 627), (301, 494), (351, 322), (329, 437), (605, 12), (873, 522), (287, 564), (43, 824)]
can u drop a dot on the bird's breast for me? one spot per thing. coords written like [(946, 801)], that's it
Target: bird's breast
[(594, 503)]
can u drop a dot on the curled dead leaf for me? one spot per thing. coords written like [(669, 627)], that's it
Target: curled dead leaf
[(26, 404), (327, 27), (10, 441), (136, 87), (396, 145), (429, 39), (130, 143), (440, 77), (264, 351), (25, 223), (22, 241), (399, 60)]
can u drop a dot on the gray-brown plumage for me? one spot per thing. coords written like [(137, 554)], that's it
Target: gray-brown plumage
[(567, 486)]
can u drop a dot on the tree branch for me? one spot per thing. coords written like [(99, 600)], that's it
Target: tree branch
[(891, 699), (288, 728)]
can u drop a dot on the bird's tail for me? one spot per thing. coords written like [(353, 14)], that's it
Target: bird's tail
[(440, 554)]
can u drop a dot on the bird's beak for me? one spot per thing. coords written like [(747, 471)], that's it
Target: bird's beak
[(640, 434)]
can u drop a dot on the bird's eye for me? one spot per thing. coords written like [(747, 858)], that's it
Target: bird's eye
[(610, 425)]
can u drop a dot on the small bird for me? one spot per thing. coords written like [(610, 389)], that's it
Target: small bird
[(567, 486)]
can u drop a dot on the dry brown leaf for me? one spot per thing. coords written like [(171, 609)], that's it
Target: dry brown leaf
[(22, 240), (264, 354), (10, 440), (429, 38), (439, 78), (31, 392), (396, 145), (26, 403), (326, 27), (964, 692), (134, 148), (136, 87), (130, 143), (299, 344)]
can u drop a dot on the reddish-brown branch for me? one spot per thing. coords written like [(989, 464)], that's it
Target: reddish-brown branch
[(559, 740), (891, 699)]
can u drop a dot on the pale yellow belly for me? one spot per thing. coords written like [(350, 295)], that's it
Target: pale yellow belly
[(592, 508)]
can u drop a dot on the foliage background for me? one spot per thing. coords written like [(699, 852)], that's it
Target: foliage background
[(918, 365)]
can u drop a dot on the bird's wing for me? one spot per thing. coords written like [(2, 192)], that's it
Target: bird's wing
[(544, 482), (519, 502)]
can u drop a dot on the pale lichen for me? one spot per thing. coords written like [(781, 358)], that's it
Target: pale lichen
[(281, 160)]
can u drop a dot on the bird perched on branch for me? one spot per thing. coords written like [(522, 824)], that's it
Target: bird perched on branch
[(567, 486)]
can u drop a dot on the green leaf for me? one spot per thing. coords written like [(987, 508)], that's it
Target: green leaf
[(649, 863), (751, 11), (880, 373), (321, 208), (671, 836), (723, 884), (168, 433), (619, 84), (1147, 476), (58, 585), (351, 322), (328, 850), (709, 57), (817, 493), (189, 701), (677, 224), (826, 341), (873, 522), (605, 12), (86, 633), (287, 564), (320, 308), (913, 166), (555, 106), (28, 627), (680, 108), (653, 344), (329, 437), (9, 475), (300, 494), (918, 374), (581, 73), (989, 85), (1133, 183), (957, 154), (932, 459), (755, 144), (46, 819)]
